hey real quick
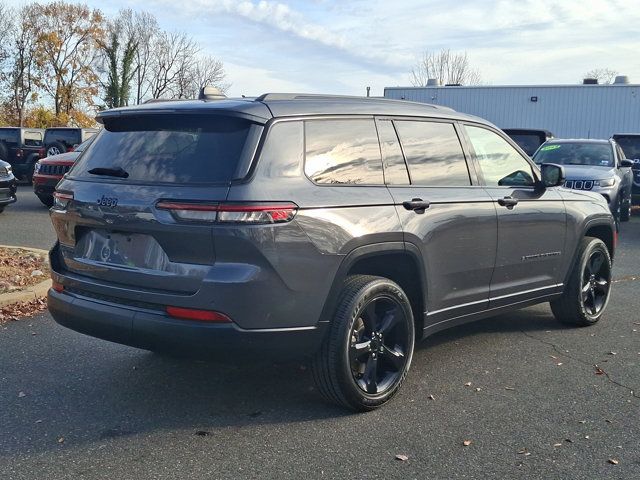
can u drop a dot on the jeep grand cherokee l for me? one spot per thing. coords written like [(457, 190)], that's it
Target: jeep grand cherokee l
[(340, 228)]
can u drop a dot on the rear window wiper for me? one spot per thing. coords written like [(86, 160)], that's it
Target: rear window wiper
[(109, 172)]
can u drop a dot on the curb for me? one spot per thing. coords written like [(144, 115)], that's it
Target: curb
[(30, 293)]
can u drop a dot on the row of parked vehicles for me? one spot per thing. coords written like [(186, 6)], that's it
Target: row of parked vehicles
[(21, 150)]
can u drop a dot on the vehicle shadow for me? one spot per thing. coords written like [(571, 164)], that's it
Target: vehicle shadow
[(100, 391)]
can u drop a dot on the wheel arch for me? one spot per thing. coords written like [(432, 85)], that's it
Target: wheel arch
[(396, 261)]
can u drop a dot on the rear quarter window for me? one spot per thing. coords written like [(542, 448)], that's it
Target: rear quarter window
[(32, 139), (69, 137), (343, 152), (169, 148), (9, 136)]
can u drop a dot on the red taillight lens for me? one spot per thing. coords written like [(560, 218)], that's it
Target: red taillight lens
[(277, 212), (61, 200), (58, 287), (19, 152), (41, 152), (200, 315)]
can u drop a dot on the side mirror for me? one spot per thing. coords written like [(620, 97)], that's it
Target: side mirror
[(552, 175), (626, 163)]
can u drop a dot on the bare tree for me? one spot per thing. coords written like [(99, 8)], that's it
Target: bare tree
[(205, 71), (17, 55), (603, 75), (445, 66), (174, 53), (143, 27)]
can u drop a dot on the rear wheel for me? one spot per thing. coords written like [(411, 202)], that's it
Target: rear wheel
[(367, 353), (625, 211), (587, 293), (55, 148), (46, 200)]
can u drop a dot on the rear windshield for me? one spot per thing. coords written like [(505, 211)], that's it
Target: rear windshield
[(168, 148), (592, 154), (630, 145)]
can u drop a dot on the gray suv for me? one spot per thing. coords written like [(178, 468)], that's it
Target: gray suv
[(593, 165), (344, 229)]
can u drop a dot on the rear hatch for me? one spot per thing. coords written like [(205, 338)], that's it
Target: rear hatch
[(109, 216)]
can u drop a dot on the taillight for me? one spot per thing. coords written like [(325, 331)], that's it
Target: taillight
[(41, 152), (200, 315), (19, 152), (252, 213), (61, 200), (58, 287)]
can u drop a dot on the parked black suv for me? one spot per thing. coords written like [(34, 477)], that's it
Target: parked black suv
[(630, 144), (22, 148), (340, 228), (64, 139), (528, 139)]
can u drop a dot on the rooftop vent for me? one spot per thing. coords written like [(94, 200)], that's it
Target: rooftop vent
[(211, 93), (621, 80), (590, 81), (433, 82)]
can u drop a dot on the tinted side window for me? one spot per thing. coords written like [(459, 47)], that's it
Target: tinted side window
[(501, 164), (343, 152), (434, 153), (395, 170), (9, 136)]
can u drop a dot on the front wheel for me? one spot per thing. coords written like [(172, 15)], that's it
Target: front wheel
[(587, 293), (625, 211), (367, 352)]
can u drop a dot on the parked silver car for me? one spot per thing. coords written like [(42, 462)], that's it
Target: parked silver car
[(594, 165)]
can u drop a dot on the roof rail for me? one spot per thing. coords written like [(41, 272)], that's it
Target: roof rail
[(270, 97)]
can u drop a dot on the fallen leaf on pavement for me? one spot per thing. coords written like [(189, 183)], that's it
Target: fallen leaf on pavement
[(431, 397), (509, 388), (599, 371), (466, 443), (468, 384), (22, 395), (401, 457), (613, 461), (613, 353), (61, 440), (557, 444)]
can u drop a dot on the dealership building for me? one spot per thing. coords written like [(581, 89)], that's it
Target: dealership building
[(584, 110)]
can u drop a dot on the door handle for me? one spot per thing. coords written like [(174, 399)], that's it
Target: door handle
[(508, 202), (416, 204)]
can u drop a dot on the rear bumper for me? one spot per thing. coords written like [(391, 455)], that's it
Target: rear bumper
[(151, 330)]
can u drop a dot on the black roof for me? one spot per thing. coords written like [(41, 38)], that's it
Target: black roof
[(272, 105)]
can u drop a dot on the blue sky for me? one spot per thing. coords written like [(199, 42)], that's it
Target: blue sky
[(344, 46)]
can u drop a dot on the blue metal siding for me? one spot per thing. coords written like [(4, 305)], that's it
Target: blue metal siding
[(568, 111)]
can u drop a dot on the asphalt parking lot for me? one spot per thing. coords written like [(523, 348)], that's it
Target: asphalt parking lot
[(522, 388)]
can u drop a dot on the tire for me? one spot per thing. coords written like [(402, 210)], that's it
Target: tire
[(47, 200), (625, 211), (587, 292), (367, 351), (55, 148)]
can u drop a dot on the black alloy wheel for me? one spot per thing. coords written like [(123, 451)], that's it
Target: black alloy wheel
[(379, 345)]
